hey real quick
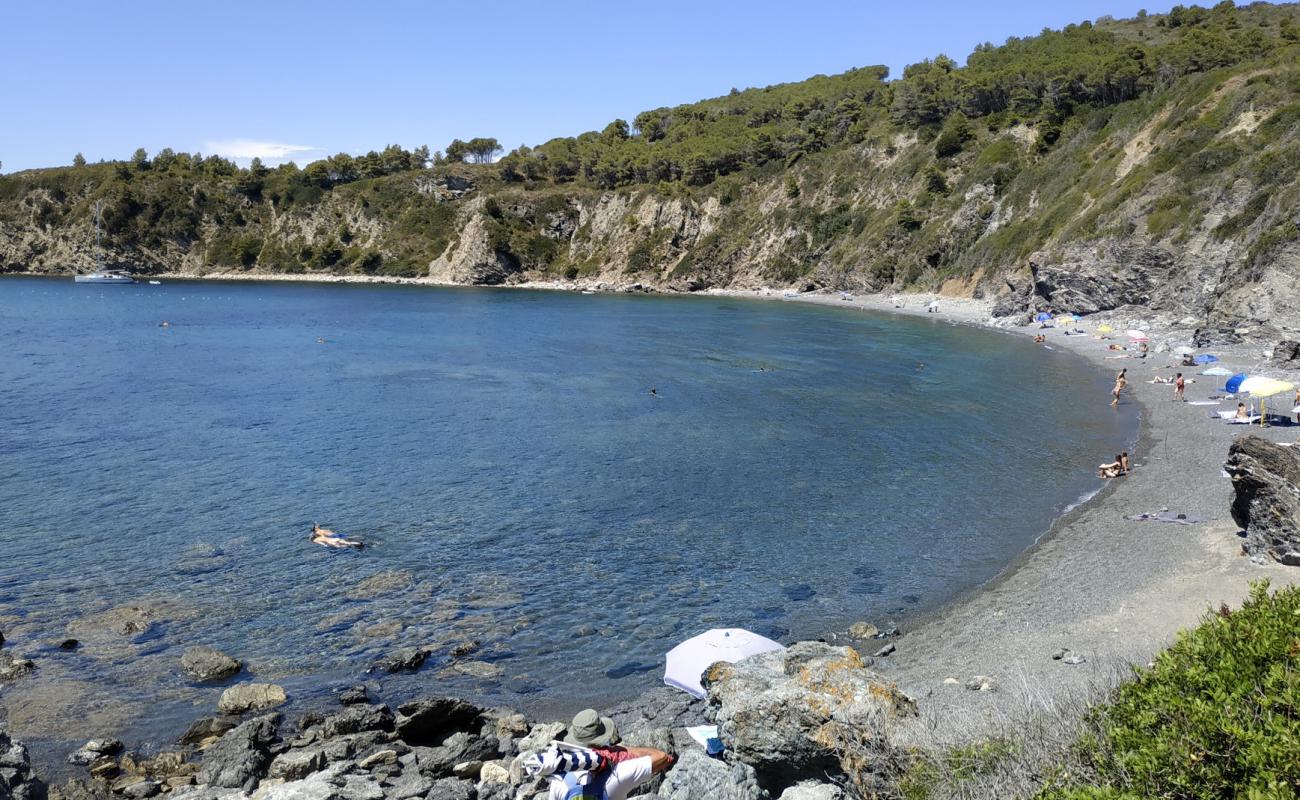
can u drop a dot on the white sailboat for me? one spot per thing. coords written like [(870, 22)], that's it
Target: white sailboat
[(101, 275)]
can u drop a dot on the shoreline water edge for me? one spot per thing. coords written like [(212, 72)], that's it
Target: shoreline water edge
[(1095, 592)]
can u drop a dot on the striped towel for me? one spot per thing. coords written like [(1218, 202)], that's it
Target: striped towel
[(553, 760)]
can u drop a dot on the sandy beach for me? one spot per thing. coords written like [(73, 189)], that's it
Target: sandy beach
[(1111, 590)]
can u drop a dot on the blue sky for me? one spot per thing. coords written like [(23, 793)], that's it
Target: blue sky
[(302, 80)]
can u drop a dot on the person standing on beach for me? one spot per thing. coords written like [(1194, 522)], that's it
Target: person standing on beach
[(1121, 382), (1179, 385)]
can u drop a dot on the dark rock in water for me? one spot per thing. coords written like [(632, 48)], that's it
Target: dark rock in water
[(698, 775), (407, 659), (1266, 497), (805, 711), (1286, 354), (629, 668), (239, 758), (69, 644), (801, 592), (12, 667), (206, 664), (208, 727), (357, 718), (430, 720), (353, 696), (2, 638)]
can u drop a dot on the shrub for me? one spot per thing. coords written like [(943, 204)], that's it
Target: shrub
[(1217, 715)]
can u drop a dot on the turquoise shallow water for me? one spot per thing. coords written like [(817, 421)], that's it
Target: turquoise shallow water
[(517, 484)]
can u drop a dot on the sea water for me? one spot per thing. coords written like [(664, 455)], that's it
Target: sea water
[(553, 489)]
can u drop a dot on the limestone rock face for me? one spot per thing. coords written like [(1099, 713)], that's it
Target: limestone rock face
[(805, 711), (206, 664), (1266, 497), (1085, 280), (475, 259)]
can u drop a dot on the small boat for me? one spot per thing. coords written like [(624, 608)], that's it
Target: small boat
[(101, 275), (105, 276), (155, 283), (587, 291)]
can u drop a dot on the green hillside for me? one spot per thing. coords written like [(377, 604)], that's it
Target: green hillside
[(1112, 162)]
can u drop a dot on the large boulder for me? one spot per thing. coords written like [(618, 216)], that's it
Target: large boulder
[(357, 718), (698, 777), (805, 711), (1266, 497), (244, 697), (239, 758), (430, 720), (1286, 354), (206, 664)]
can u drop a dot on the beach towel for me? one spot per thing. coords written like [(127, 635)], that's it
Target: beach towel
[(1202, 402), (1166, 516), (555, 760), (1246, 421)]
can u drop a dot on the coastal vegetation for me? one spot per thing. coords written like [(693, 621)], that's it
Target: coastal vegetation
[(1215, 715), (1170, 139)]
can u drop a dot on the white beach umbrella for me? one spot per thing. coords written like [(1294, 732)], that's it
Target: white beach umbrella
[(1217, 372), (688, 660)]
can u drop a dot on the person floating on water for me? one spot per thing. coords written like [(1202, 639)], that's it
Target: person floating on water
[(164, 324), (654, 392), (320, 340), (328, 538)]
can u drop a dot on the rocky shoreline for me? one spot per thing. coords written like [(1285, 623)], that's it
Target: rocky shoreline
[(800, 724), (1096, 591)]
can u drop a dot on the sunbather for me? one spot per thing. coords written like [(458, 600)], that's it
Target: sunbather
[(1242, 412)]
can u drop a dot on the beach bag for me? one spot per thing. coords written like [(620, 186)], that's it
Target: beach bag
[(583, 786)]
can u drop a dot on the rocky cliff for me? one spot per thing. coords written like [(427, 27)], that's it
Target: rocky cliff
[(1176, 192)]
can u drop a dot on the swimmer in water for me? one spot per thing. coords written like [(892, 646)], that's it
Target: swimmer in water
[(328, 538), (654, 391)]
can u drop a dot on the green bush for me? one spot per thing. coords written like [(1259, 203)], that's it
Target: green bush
[(1216, 716)]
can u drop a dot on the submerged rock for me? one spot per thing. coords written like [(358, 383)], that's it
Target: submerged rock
[(245, 697), (1266, 498), (12, 667), (800, 713), (206, 664), (407, 659)]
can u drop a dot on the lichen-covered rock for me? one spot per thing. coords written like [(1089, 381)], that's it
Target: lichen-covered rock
[(1266, 497), (698, 777), (812, 790), (802, 712)]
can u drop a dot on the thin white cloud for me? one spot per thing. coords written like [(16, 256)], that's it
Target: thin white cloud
[(244, 150)]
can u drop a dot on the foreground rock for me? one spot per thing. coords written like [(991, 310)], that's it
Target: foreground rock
[(697, 777), (239, 758), (12, 667), (16, 779), (804, 712), (1266, 498), (247, 697), (205, 664)]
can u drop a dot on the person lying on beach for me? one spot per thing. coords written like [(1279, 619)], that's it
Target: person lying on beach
[(1040, 338), (1116, 347), (328, 538)]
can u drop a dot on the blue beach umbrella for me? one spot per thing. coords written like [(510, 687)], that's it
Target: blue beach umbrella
[(1042, 316), (1231, 385), (1205, 359)]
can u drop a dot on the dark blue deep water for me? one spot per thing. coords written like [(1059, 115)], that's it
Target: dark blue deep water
[(520, 490)]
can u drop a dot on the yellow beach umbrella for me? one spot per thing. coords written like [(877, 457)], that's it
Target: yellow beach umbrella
[(1105, 329)]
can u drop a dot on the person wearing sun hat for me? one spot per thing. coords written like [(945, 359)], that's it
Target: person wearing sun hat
[(628, 767), (590, 729)]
